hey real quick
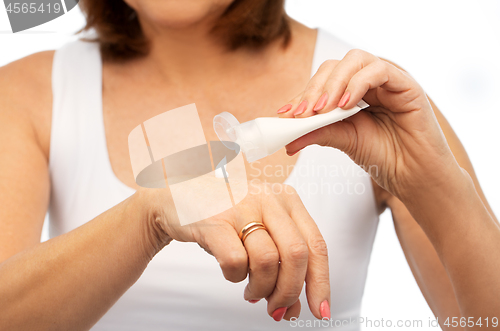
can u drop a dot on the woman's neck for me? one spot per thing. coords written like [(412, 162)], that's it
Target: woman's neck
[(182, 55)]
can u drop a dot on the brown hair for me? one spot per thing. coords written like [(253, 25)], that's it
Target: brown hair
[(245, 23)]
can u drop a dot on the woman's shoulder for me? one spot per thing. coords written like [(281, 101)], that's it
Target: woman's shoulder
[(32, 70), (26, 94)]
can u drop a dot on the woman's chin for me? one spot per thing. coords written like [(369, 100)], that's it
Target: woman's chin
[(178, 14)]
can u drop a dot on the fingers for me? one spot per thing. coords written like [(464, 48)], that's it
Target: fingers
[(344, 83), (293, 311), (354, 61), (263, 265), (382, 74), (293, 253), (313, 97), (290, 108), (222, 241), (317, 277)]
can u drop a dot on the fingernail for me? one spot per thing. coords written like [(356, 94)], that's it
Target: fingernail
[(345, 98), (279, 313), (284, 109), (253, 301), (301, 108), (321, 102), (324, 309)]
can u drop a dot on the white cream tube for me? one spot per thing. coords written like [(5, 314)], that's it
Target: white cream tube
[(264, 136)]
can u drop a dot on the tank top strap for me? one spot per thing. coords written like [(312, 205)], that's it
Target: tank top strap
[(77, 100), (77, 138), (328, 47)]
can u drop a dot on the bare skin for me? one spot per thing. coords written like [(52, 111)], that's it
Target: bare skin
[(401, 136), (155, 91), (26, 186), (163, 80)]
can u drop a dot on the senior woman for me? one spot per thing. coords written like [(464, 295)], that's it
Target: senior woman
[(66, 116)]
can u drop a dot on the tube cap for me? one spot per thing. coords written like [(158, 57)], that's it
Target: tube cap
[(224, 124), (246, 136)]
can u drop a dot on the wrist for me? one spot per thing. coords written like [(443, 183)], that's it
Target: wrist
[(450, 185), (446, 211), (441, 176), (144, 204)]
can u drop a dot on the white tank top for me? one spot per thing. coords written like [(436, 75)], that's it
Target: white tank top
[(183, 287)]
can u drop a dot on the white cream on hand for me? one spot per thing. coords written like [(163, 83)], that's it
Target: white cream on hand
[(264, 136)]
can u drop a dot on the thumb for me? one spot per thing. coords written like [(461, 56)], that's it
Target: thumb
[(341, 135)]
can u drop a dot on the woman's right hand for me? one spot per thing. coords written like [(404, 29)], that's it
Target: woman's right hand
[(397, 139), (278, 261)]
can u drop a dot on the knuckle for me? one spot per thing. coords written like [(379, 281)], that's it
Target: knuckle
[(318, 247), (312, 87), (355, 52), (322, 281), (298, 251), (290, 295), (328, 64), (336, 82), (270, 193), (359, 83), (380, 65), (267, 262), (234, 261)]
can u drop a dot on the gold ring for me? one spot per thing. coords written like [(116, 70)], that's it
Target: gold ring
[(249, 228)]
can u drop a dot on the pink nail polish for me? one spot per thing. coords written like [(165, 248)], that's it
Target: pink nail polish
[(279, 313), (345, 98), (301, 108), (284, 109), (253, 301), (321, 102), (324, 310)]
